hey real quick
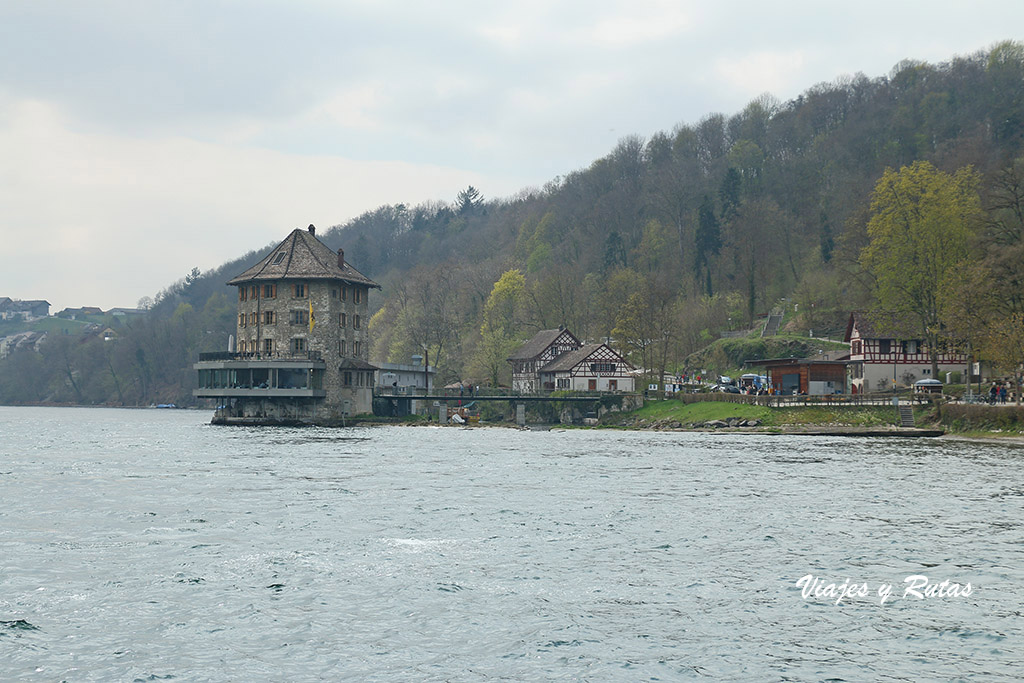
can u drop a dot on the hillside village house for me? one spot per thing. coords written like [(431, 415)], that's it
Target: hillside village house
[(76, 313), (11, 309), (303, 347), (556, 360), (878, 360)]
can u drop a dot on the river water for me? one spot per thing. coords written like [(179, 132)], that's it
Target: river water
[(149, 545)]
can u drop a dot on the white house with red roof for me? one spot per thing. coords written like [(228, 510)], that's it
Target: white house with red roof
[(882, 355)]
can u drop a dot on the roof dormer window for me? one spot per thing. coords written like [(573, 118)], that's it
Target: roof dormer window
[(279, 258)]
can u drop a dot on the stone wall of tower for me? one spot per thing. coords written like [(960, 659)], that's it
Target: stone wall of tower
[(340, 312)]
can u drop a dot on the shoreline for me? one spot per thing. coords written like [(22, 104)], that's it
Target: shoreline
[(1005, 438)]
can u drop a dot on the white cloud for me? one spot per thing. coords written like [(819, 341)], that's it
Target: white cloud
[(772, 71), (355, 107), (639, 24)]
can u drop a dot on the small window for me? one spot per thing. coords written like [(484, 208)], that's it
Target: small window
[(269, 291), (884, 346), (342, 347), (254, 292), (344, 293), (252, 319), (300, 317), (355, 348), (241, 346), (280, 257), (356, 294), (355, 322), (268, 346), (342, 320), (334, 292), (241, 319), (346, 378), (298, 344), (300, 290), (268, 317), (241, 293)]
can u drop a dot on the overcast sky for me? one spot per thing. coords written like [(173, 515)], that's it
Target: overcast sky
[(139, 139)]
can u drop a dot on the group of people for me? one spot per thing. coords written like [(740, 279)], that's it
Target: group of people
[(997, 393)]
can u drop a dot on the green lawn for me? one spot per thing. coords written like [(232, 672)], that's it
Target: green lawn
[(860, 416), (693, 412), (52, 324)]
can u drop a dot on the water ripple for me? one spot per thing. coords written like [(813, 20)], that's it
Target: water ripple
[(148, 545)]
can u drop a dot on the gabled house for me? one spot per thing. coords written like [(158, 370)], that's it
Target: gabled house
[(556, 360), (880, 359), (22, 340), (25, 310), (592, 367), (542, 348)]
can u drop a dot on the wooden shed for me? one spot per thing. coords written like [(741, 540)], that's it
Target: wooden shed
[(788, 376)]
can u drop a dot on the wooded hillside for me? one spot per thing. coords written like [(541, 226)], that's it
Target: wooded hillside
[(661, 245)]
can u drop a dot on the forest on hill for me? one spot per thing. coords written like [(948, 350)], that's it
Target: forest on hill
[(662, 245)]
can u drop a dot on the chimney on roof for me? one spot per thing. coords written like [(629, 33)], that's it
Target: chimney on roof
[(341, 258), (312, 229)]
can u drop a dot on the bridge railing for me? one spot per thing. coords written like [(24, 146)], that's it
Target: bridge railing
[(489, 393)]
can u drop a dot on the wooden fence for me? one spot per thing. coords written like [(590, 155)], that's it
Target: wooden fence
[(792, 401)]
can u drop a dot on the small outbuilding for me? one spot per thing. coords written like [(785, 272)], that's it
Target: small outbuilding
[(805, 376)]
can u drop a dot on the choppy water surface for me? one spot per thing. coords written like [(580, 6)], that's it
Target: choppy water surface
[(146, 545)]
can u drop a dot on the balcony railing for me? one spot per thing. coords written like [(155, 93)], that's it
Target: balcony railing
[(281, 355)]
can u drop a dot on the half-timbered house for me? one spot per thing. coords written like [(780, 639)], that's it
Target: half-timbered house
[(592, 367), (879, 360), (542, 348)]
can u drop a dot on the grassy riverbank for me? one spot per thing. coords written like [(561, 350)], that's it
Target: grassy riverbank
[(973, 421), (669, 412)]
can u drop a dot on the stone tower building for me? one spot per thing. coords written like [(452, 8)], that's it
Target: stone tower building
[(302, 341)]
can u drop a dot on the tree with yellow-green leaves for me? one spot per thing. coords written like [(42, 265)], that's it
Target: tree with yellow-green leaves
[(921, 227), (1005, 345), (967, 304), (504, 315)]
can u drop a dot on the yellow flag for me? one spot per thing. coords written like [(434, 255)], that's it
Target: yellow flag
[(311, 318)]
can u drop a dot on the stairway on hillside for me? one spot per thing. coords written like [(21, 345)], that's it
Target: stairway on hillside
[(906, 416), (771, 328)]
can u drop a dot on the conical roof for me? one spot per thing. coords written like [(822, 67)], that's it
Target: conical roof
[(301, 256)]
